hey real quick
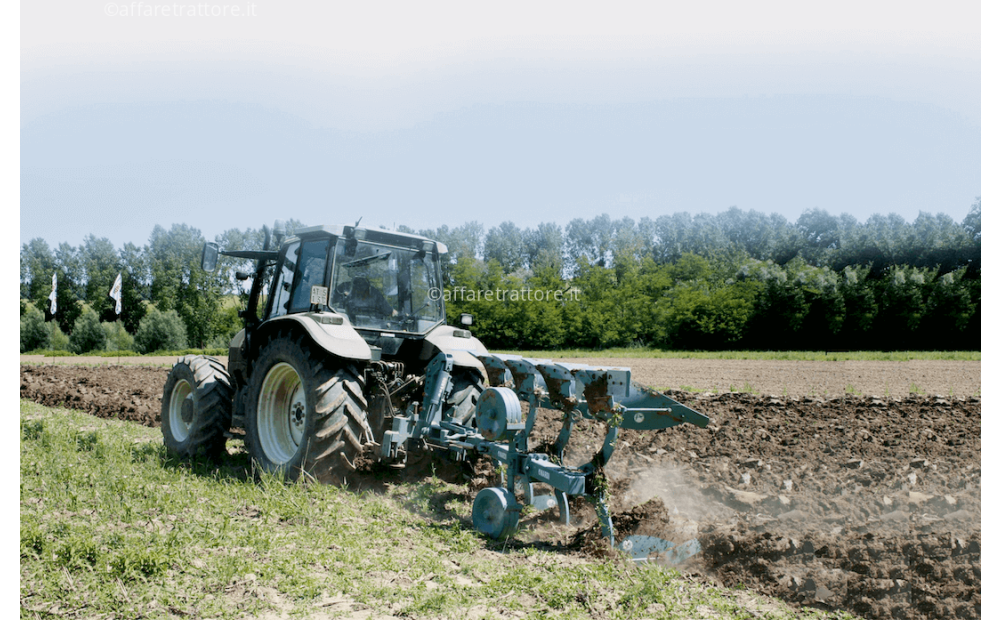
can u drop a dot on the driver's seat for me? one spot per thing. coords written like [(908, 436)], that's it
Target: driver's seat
[(366, 299)]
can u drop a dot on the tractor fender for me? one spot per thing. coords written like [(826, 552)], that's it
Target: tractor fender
[(463, 348), (330, 331)]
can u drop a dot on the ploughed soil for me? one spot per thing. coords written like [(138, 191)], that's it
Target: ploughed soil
[(824, 379), (870, 504)]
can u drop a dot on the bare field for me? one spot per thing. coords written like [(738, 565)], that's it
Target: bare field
[(804, 378), (779, 378)]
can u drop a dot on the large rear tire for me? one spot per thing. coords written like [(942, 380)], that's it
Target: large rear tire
[(197, 407), (306, 412), (461, 403)]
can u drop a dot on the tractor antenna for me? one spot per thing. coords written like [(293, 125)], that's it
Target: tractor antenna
[(358, 222)]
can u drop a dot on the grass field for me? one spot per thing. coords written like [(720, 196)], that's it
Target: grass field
[(111, 526), (833, 356)]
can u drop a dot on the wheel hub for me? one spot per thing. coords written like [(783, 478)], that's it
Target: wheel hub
[(187, 410), (297, 421), (281, 413), (181, 410)]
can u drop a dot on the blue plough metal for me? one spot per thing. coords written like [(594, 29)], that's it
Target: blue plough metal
[(501, 431)]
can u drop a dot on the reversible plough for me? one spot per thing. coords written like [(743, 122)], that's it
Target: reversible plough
[(501, 431)]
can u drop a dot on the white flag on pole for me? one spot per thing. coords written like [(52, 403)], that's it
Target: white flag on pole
[(116, 293), (52, 296)]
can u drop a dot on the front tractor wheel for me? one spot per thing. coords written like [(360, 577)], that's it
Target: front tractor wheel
[(306, 413), (197, 407)]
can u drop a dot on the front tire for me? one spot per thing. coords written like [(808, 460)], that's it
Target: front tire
[(197, 407), (306, 412)]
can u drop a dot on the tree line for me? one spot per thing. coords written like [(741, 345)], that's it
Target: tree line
[(738, 279)]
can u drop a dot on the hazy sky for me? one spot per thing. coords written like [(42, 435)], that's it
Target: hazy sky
[(431, 113)]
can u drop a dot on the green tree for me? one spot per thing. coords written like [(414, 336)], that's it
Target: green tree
[(179, 284), (702, 307), (88, 335), (134, 267), (100, 261), (226, 323), (160, 331), (117, 337), (780, 309), (973, 221), (681, 233), (67, 261), (505, 245), (592, 321), (949, 309), (750, 231), (820, 232), (972, 248), (825, 302), (860, 309), (37, 266), (58, 341), (68, 307), (542, 311), (34, 333), (544, 246), (902, 305)]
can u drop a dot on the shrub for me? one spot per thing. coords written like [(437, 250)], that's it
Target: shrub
[(58, 341), (225, 325), (88, 335), (118, 338), (34, 332), (159, 331)]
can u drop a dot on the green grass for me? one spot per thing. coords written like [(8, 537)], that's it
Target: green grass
[(113, 527), (50, 353), (647, 352)]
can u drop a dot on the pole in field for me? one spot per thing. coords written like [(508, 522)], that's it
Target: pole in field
[(116, 294), (52, 296), (52, 304)]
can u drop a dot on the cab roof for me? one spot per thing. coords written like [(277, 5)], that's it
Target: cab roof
[(375, 235)]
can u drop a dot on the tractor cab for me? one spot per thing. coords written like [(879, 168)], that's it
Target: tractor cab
[(379, 280)]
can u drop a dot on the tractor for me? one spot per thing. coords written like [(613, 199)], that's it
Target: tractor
[(345, 351)]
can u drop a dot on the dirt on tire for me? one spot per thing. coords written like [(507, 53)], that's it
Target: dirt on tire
[(870, 504)]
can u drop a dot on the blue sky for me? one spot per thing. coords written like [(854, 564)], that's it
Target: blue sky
[(437, 113)]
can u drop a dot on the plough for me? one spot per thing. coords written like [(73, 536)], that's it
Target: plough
[(500, 430)]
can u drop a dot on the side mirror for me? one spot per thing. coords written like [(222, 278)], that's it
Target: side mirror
[(209, 256), (466, 320)]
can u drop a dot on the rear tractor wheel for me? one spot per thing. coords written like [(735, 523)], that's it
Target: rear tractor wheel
[(306, 412)]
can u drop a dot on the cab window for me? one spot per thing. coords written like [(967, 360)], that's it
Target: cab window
[(283, 281), (311, 272)]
